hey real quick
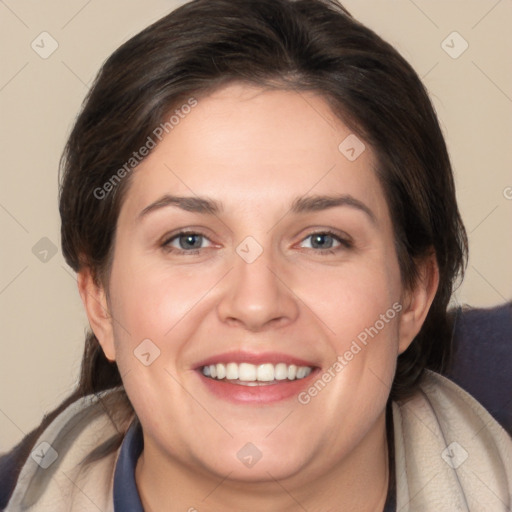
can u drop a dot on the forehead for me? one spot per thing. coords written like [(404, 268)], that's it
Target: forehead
[(246, 145)]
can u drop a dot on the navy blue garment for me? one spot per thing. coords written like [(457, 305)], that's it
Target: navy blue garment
[(482, 359), (126, 496), (390, 505)]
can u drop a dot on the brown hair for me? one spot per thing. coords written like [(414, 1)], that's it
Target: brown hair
[(301, 45)]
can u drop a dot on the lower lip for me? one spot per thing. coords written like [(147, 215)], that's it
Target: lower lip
[(261, 394)]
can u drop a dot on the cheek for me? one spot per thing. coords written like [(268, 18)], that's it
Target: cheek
[(152, 298), (161, 303), (352, 299), (353, 389), (151, 307), (360, 309)]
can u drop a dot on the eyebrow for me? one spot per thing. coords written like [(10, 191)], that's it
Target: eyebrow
[(317, 203), (190, 204), (303, 204)]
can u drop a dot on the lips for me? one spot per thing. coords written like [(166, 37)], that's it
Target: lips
[(244, 377), (255, 358)]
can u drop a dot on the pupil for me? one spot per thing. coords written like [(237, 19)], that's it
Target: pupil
[(320, 239), (191, 240)]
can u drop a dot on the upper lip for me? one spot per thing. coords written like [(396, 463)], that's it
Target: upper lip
[(255, 358)]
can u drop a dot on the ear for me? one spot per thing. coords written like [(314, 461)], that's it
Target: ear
[(416, 302), (95, 302)]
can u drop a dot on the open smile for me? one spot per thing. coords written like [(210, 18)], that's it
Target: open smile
[(255, 378)]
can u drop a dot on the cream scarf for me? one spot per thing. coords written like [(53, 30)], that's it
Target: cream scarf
[(450, 455)]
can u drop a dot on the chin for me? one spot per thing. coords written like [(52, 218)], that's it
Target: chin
[(249, 463)]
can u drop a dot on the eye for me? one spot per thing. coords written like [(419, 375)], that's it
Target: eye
[(185, 242), (327, 242), (191, 242)]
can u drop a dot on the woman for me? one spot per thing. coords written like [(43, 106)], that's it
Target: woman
[(259, 204)]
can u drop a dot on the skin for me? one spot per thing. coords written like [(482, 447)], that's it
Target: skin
[(255, 151)]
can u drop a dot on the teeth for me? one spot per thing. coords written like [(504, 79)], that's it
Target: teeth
[(281, 371), (265, 372), (292, 372), (247, 372), (231, 371), (301, 372), (221, 371)]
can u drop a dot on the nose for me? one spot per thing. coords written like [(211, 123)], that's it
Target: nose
[(257, 295)]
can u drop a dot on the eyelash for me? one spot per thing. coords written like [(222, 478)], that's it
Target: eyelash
[(344, 243)]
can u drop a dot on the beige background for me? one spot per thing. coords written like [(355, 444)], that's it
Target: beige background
[(42, 318)]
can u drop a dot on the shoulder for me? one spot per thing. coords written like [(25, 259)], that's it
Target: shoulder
[(447, 410), (76, 451), (482, 343), (454, 408), (10, 467), (450, 451)]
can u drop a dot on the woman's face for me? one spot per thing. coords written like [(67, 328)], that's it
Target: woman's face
[(287, 275)]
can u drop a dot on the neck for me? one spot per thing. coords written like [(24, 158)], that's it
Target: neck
[(163, 480)]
